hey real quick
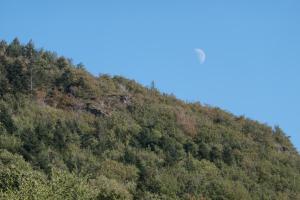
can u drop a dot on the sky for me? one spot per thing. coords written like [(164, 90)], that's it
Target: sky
[(252, 48)]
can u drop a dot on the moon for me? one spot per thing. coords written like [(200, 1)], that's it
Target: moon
[(201, 55)]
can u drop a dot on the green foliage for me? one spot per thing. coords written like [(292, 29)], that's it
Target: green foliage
[(6, 119), (110, 189), (65, 134)]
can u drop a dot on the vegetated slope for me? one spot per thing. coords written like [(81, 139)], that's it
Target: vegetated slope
[(65, 134)]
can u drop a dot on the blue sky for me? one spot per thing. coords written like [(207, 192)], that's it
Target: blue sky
[(252, 48)]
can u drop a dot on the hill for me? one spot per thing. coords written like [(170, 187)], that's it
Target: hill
[(66, 134)]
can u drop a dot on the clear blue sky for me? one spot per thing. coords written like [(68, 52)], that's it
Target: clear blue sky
[(252, 48)]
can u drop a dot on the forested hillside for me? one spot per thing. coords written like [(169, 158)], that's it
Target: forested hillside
[(66, 134)]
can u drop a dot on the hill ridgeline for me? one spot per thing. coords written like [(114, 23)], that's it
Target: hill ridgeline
[(66, 134)]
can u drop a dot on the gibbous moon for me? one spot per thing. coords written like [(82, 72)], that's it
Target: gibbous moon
[(201, 55)]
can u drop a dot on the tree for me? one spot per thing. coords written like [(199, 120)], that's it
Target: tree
[(174, 150), (6, 119), (62, 63), (152, 86), (29, 52), (3, 47), (227, 155), (17, 77), (4, 84), (191, 147), (14, 48), (215, 154), (203, 151)]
